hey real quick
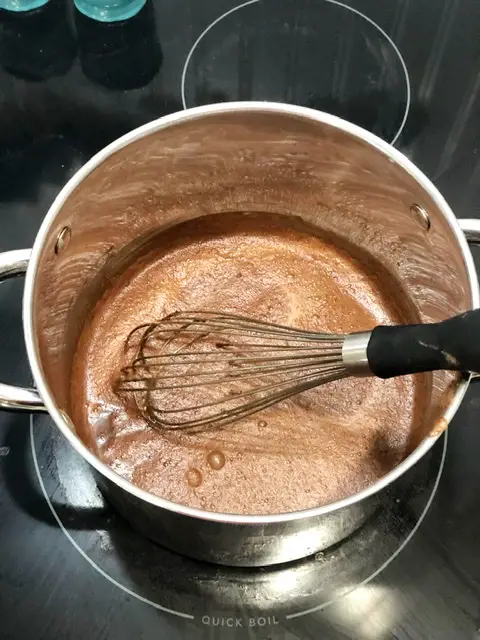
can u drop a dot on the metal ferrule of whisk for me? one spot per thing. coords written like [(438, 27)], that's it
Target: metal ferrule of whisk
[(354, 353)]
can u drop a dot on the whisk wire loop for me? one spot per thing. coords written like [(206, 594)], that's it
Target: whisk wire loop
[(200, 369)]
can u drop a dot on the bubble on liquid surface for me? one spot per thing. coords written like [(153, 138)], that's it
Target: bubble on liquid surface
[(216, 459), (194, 477)]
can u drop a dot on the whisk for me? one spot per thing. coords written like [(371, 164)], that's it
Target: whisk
[(199, 369)]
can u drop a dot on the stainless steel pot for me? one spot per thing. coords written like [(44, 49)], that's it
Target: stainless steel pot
[(237, 157)]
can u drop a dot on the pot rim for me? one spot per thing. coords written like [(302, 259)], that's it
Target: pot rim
[(64, 423)]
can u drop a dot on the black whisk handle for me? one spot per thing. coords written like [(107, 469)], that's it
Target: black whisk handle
[(453, 344)]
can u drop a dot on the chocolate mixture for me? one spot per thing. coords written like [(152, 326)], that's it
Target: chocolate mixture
[(322, 445)]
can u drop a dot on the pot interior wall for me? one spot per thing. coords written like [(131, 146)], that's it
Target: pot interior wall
[(244, 161)]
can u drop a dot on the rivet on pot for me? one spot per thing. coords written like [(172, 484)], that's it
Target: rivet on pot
[(421, 215), (63, 239)]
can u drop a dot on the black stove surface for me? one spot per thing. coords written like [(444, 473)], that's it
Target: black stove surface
[(70, 567)]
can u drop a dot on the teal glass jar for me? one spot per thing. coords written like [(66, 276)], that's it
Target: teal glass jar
[(21, 5), (109, 10)]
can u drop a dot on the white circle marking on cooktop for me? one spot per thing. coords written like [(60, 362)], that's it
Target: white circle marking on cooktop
[(190, 617), (336, 2)]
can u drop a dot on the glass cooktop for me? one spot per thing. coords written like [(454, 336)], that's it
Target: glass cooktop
[(71, 567)]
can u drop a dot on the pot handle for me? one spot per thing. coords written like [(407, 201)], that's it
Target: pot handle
[(471, 229), (15, 263)]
